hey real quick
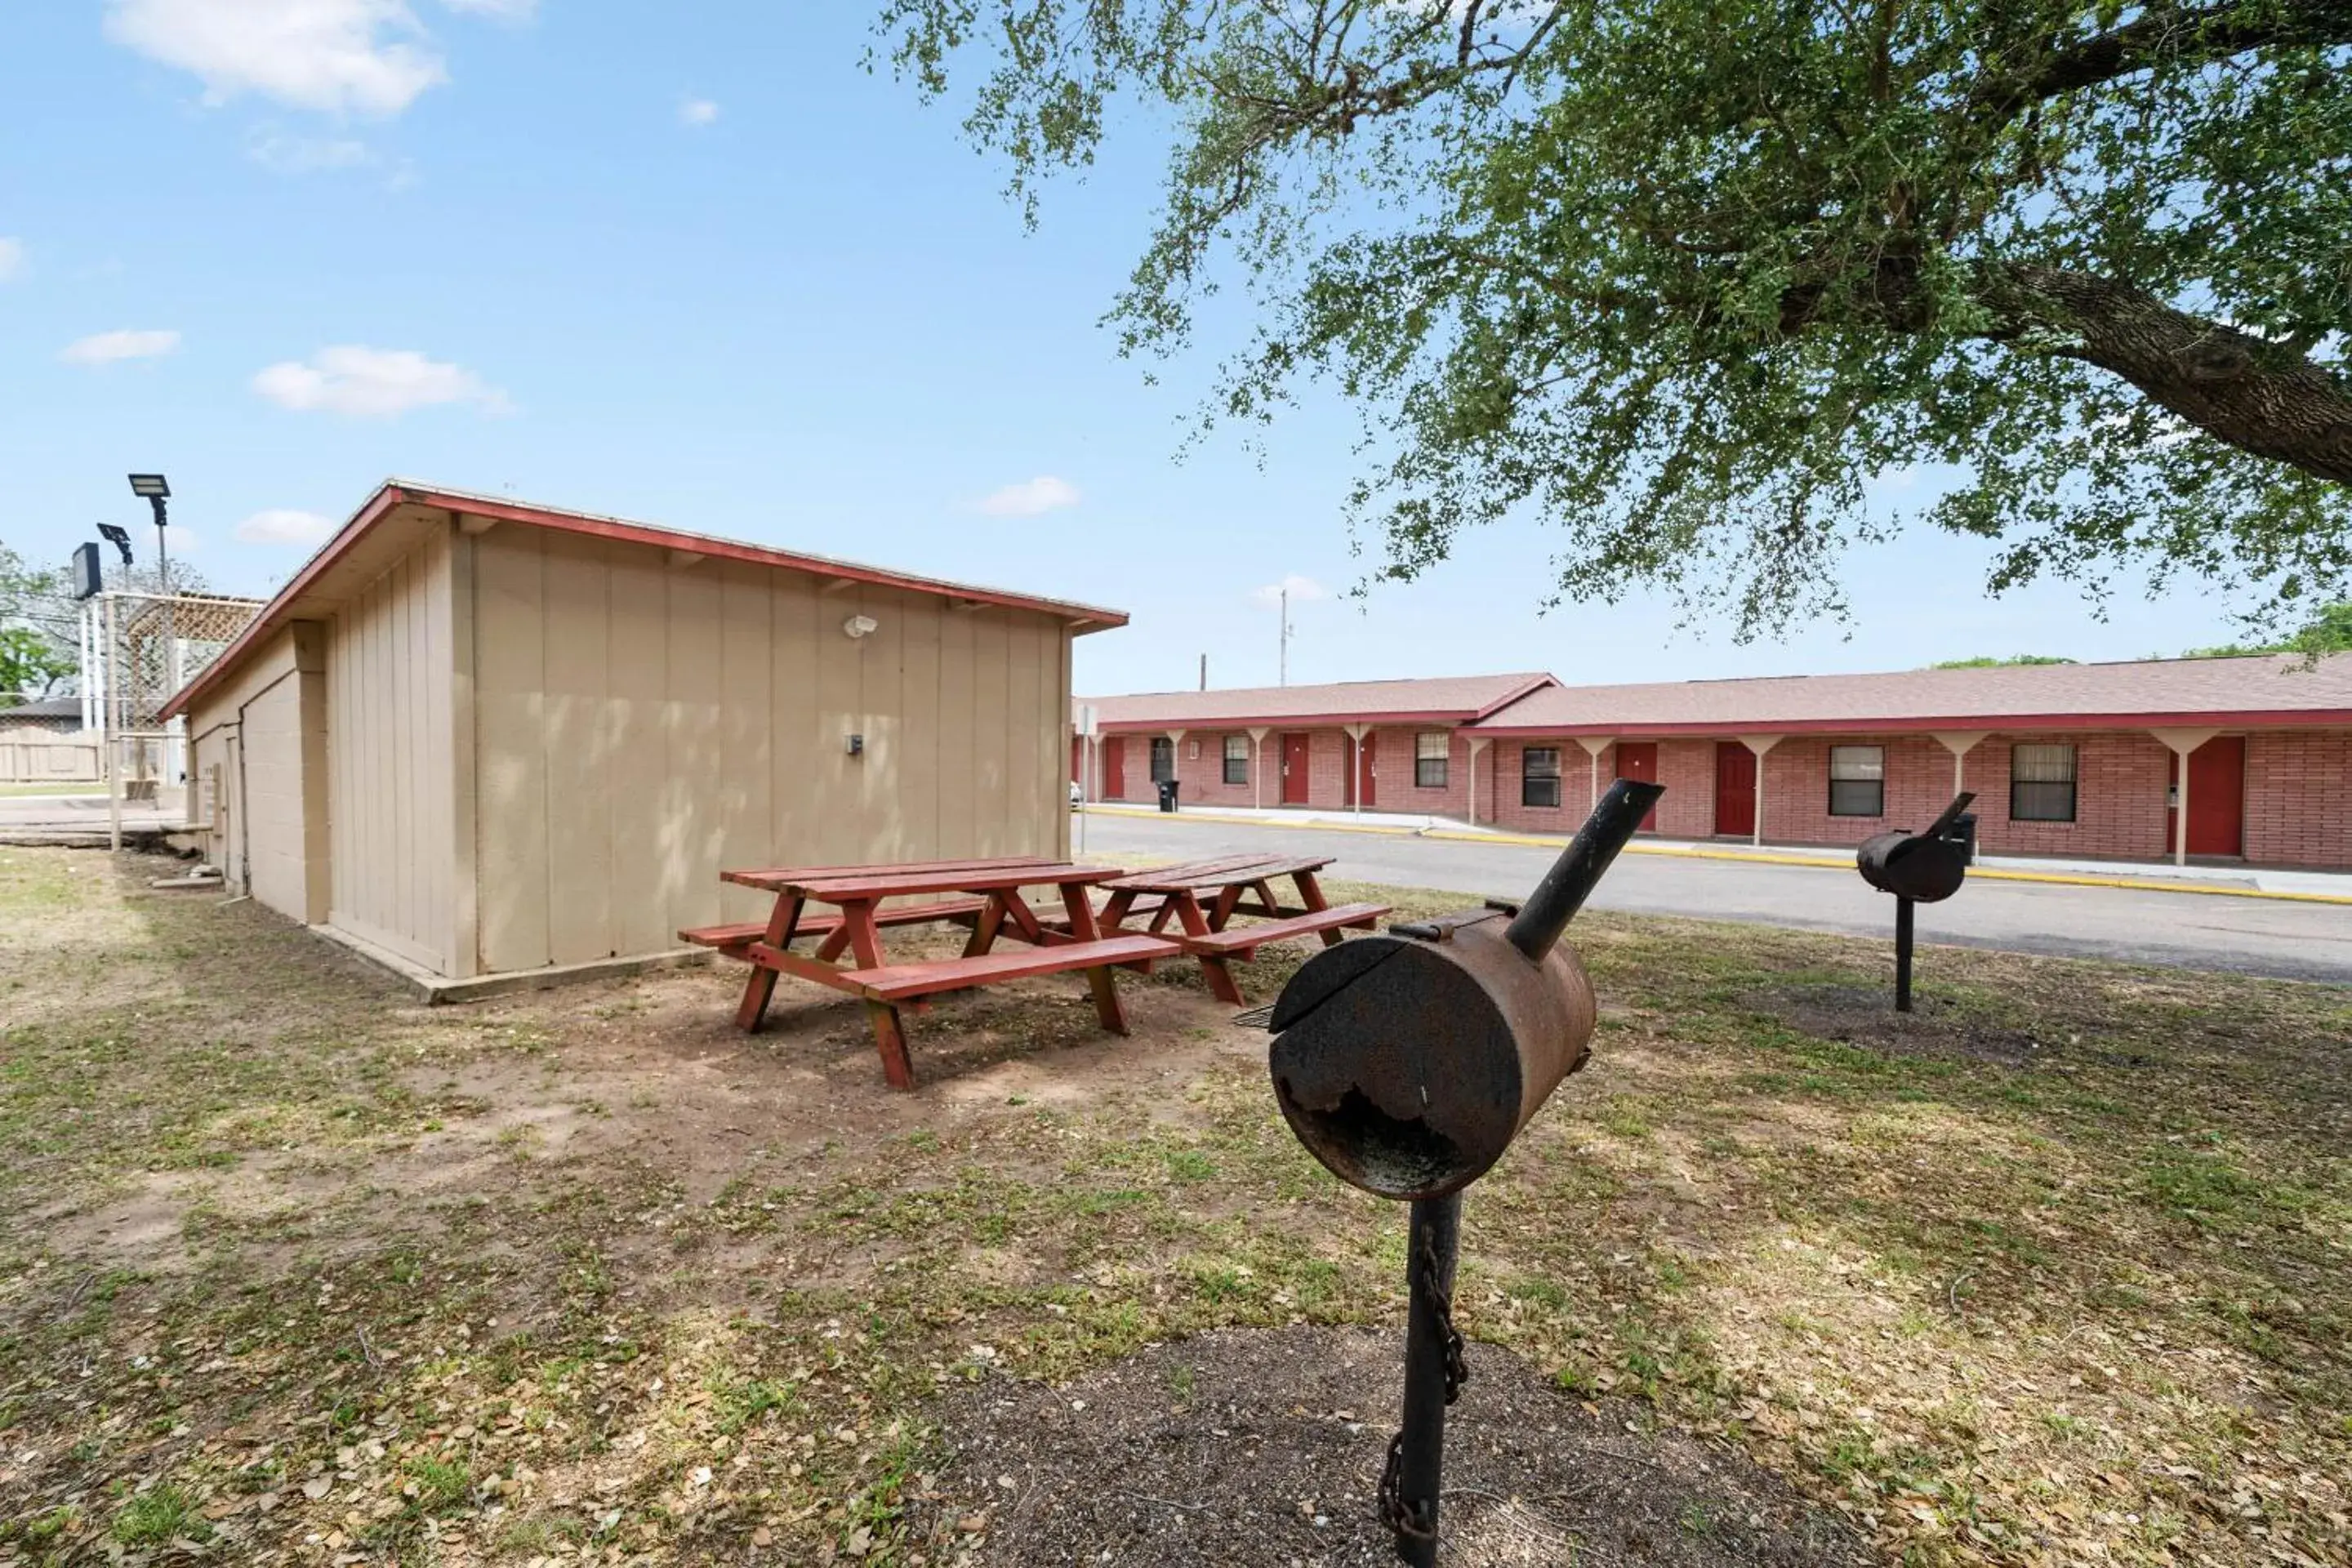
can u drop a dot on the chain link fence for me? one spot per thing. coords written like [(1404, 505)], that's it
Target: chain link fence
[(138, 650)]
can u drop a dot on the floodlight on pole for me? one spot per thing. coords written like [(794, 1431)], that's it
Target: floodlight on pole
[(118, 536), (157, 490)]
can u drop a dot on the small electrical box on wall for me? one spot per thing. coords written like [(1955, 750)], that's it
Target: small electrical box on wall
[(856, 745)]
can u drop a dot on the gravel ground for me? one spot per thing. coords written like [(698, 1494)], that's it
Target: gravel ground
[(1246, 1448)]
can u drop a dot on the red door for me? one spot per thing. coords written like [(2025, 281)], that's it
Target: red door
[(2216, 798), (1114, 766), (1735, 790), (1638, 761), (1362, 779), (1294, 770)]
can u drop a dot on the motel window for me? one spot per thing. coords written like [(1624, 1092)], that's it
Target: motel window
[(1237, 759), (2041, 784), (1540, 776), (1857, 781), (1430, 751), (1163, 759)]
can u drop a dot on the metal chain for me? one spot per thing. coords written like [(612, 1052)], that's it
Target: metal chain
[(1402, 1520), (1441, 1300), (1415, 1519)]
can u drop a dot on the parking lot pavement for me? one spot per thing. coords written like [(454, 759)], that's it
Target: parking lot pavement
[(2254, 936)]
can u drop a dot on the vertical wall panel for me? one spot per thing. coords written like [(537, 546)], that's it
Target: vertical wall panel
[(958, 681), (509, 746), (574, 750), (388, 758), (698, 763), (643, 722)]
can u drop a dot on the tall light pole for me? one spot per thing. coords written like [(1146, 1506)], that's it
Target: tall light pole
[(156, 491)]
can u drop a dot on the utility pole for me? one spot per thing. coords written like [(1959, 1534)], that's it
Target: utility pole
[(1283, 679), (1204, 672)]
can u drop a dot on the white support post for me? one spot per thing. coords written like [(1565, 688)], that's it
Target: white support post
[(1257, 766), (1355, 733), (1478, 745), (1593, 746), (106, 739), (2182, 743), (1760, 745)]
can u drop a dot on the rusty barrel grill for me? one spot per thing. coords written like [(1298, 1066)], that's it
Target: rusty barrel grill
[(1407, 1062), (1917, 869)]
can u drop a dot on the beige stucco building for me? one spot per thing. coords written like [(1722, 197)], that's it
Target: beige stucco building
[(473, 738)]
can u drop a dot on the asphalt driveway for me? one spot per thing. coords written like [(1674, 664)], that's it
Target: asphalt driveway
[(2254, 936)]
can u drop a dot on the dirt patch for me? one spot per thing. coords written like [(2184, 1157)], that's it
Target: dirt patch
[(1865, 1016), (1247, 1448)]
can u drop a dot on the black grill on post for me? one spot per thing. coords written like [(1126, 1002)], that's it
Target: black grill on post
[(1407, 1062), (1917, 869)]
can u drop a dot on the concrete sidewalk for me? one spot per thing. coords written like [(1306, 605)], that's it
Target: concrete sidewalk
[(2252, 881), (78, 818)]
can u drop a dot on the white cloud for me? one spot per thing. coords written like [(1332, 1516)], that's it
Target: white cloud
[(373, 384), (1301, 589), (284, 525), (106, 348), (1031, 498), (362, 57), (12, 258), (307, 154), (697, 111), (499, 10)]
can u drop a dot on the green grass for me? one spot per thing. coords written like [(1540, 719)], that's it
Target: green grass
[(2102, 1276)]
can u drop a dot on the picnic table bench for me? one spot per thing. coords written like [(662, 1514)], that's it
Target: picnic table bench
[(990, 901), (1238, 885)]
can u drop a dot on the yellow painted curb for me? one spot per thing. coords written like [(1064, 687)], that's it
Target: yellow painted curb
[(1765, 858)]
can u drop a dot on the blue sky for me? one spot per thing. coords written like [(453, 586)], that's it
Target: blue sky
[(704, 270)]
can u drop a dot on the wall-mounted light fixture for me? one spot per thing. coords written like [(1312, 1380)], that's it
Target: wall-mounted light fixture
[(860, 625)]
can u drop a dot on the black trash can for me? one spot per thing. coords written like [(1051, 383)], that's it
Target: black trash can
[(1963, 832), (1167, 794)]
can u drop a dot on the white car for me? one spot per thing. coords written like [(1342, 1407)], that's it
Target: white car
[(1077, 796)]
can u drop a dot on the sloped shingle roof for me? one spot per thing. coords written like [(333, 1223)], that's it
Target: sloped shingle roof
[(2268, 689), (1436, 699)]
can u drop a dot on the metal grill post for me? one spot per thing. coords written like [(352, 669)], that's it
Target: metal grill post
[(1433, 1374), (1902, 907)]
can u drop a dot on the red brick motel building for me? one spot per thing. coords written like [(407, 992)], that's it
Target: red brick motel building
[(2065, 760)]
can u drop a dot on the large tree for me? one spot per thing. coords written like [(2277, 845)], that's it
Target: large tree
[(1684, 277)]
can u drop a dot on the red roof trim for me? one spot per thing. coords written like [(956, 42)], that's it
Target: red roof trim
[(757, 554), (266, 622), (389, 496), (1990, 724)]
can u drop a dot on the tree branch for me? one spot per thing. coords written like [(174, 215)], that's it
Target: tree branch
[(2162, 35)]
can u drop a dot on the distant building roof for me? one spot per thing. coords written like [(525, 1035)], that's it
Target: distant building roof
[(2269, 689), (1451, 700), (47, 707)]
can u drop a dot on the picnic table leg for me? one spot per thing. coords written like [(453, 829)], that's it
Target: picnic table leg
[(1081, 911), (1115, 911), (1222, 984), (1311, 893), (1025, 919), (1223, 910), (761, 985), (1106, 1002), (890, 1039), (984, 929), (865, 938)]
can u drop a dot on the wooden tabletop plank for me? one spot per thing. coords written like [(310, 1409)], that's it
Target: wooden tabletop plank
[(1191, 873), (899, 881), (771, 879), (1186, 878)]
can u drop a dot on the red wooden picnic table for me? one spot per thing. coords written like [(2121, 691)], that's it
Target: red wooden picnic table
[(1242, 885), (991, 903)]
